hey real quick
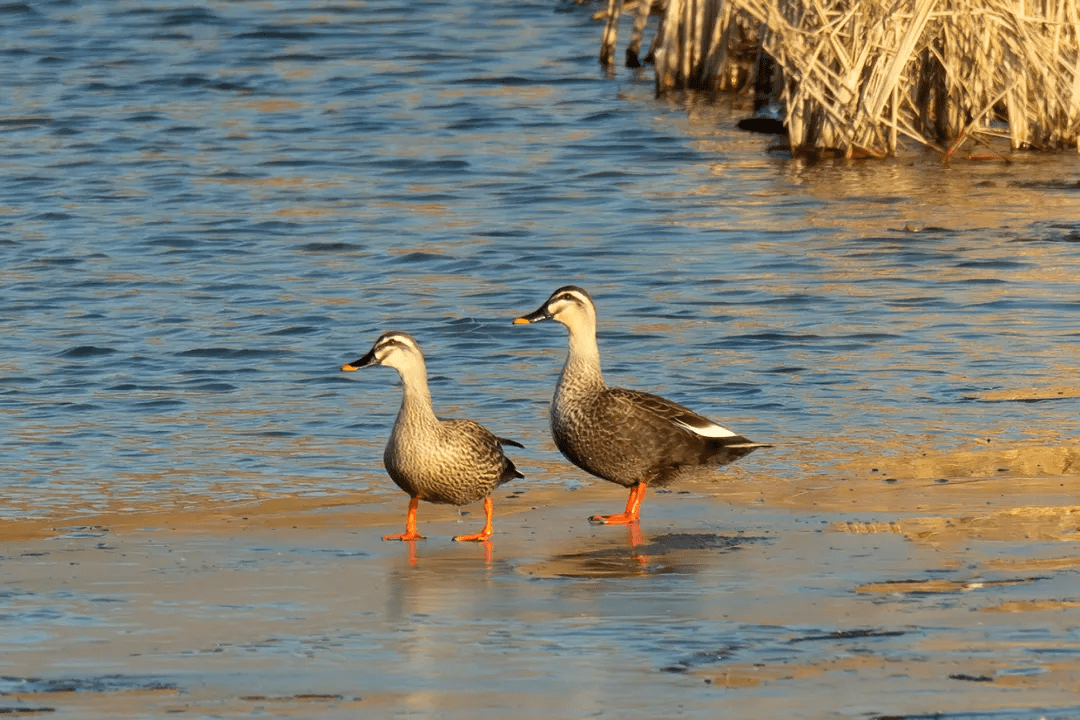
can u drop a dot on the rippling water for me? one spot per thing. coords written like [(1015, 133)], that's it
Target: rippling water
[(205, 210)]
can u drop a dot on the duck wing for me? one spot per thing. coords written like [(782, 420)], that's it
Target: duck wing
[(705, 441), (480, 453), (677, 415)]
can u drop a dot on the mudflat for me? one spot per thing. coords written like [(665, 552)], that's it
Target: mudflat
[(906, 586)]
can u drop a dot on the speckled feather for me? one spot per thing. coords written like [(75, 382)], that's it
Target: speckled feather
[(624, 436), (440, 461), (448, 461)]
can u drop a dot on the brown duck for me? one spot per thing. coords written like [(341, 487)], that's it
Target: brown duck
[(634, 439), (440, 461)]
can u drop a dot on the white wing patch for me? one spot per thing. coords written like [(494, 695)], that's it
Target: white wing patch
[(709, 430)]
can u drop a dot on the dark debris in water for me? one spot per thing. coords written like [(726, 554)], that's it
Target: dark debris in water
[(302, 697), (971, 678), (10, 684), (1058, 713), (23, 710), (848, 635)]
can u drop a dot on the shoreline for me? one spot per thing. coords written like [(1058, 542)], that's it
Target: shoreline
[(293, 606)]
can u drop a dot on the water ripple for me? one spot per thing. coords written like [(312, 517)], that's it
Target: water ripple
[(219, 206)]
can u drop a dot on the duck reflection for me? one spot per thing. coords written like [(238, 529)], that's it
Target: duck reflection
[(412, 556), (670, 553)]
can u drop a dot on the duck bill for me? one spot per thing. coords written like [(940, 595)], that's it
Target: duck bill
[(541, 314), (368, 359)]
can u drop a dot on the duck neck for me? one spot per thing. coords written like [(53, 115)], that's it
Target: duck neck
[(581, 373), (415, 398)]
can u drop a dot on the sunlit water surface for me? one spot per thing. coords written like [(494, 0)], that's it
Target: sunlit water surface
[(206, 210)]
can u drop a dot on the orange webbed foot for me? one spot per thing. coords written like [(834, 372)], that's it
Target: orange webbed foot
[(620, 519), (484, 534), (475, 537), (404, 536), (633, 509), (410, 524)]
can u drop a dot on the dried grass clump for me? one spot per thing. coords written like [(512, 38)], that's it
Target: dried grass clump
[(857, 75)]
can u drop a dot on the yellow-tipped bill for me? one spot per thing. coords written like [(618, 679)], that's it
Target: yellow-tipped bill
[(363, 362), (535, 316)]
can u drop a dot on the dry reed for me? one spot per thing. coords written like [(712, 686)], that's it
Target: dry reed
[(859, 75)]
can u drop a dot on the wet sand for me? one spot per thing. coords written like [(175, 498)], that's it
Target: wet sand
[(920, 585)]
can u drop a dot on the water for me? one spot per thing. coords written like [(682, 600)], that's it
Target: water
[(206, 210)]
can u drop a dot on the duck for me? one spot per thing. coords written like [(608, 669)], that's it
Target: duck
[(451, 461), (631, 438)]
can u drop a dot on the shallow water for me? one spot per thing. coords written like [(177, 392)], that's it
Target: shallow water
[(207, 210), (693, 623)]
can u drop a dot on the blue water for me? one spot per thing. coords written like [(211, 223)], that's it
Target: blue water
[(205, 210)]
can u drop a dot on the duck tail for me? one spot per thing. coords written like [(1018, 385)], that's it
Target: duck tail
[(509, 472)]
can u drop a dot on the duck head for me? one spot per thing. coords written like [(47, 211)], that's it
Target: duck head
[(569, 305), (393, 349)]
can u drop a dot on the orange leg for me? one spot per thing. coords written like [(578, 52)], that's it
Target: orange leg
[(489, 510), (410, 525), (632, 512)]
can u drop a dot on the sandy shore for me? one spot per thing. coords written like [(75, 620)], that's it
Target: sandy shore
[(891, 588)]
